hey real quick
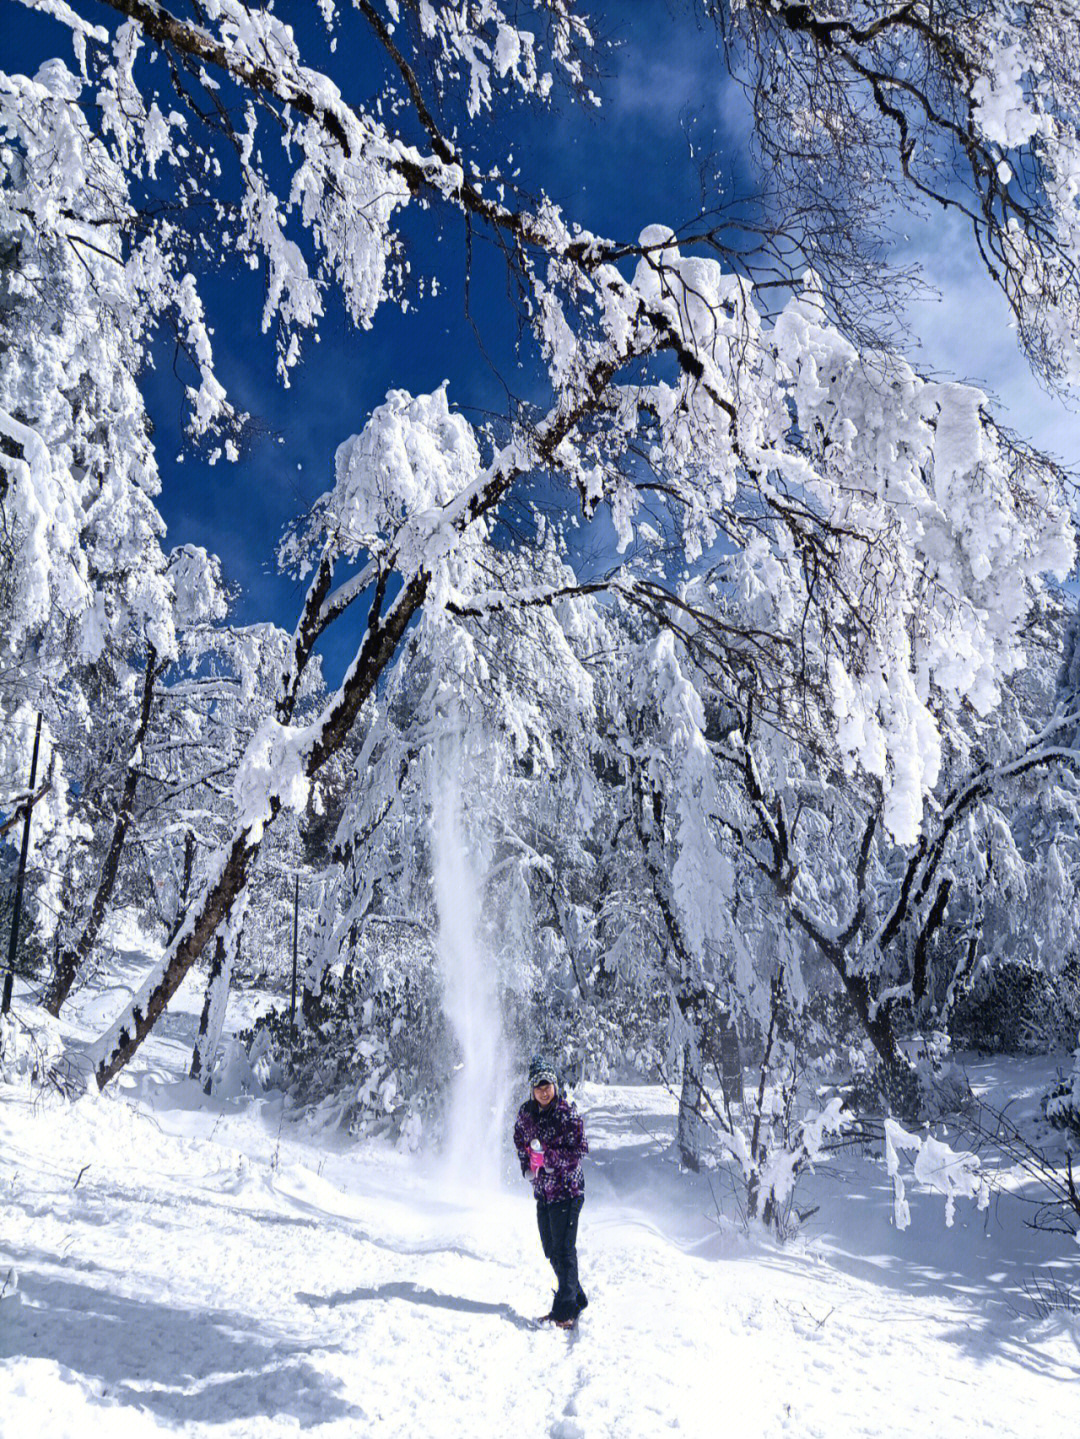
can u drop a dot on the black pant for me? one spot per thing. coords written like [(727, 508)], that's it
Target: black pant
[(558, 1223)]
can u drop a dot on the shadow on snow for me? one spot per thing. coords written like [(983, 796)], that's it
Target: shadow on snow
[(184, 1365), (414, 1294)]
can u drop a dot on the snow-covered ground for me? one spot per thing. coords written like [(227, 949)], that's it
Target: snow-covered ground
[(197, 1267)]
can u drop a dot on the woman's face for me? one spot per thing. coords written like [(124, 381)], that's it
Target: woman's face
[(544, 1093)]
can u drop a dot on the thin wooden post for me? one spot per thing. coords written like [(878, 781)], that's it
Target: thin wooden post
[(16, 912), (295, 950)]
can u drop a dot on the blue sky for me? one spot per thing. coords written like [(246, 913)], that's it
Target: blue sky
[(614, 171)]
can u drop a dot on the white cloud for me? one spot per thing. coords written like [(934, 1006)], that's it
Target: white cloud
[(966, 332)]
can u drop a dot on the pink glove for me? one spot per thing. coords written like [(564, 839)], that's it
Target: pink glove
[(536, 1160)]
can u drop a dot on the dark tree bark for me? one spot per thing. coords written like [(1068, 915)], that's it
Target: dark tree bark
[(730, 1059), (691, 1121), (24, 850), (217, 904), (69, 962), (185, 886)]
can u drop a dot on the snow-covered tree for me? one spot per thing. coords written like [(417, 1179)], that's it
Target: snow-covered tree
[(109, 708), (89, 602), (872, 538), (81, 290), (864, 109)]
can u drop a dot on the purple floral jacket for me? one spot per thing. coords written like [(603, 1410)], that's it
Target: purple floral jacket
[(562, 1137)]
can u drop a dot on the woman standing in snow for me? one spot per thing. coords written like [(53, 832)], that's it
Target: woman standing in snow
[(550, 1140)]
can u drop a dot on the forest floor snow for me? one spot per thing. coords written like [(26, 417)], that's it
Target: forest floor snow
[(180, 1265)]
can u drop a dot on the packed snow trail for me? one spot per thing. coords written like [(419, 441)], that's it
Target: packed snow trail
[(188, 1267)]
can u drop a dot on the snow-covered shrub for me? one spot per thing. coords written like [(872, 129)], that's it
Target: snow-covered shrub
[(772, 1180), (372, 1057), (605, 1041), (778, 1125), (30, 953), (932, 1086), (781, 1133), (1019, 1006), (1062, 1104), (30, 1053)]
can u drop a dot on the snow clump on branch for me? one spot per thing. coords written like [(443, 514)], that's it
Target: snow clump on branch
[(392, 480), (936, 1167)]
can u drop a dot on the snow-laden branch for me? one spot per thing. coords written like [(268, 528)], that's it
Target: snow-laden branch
[(928, 851), (282, 760), (936, 1167)]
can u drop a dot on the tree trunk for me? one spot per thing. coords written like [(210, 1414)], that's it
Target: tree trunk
[(116, 1047), (24, 851), (295, 956), (730, 1056), (69, 962), (901, 1082), (213, 1010), (185, 886), (219, 899), (691, 1128), (316, 963)]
